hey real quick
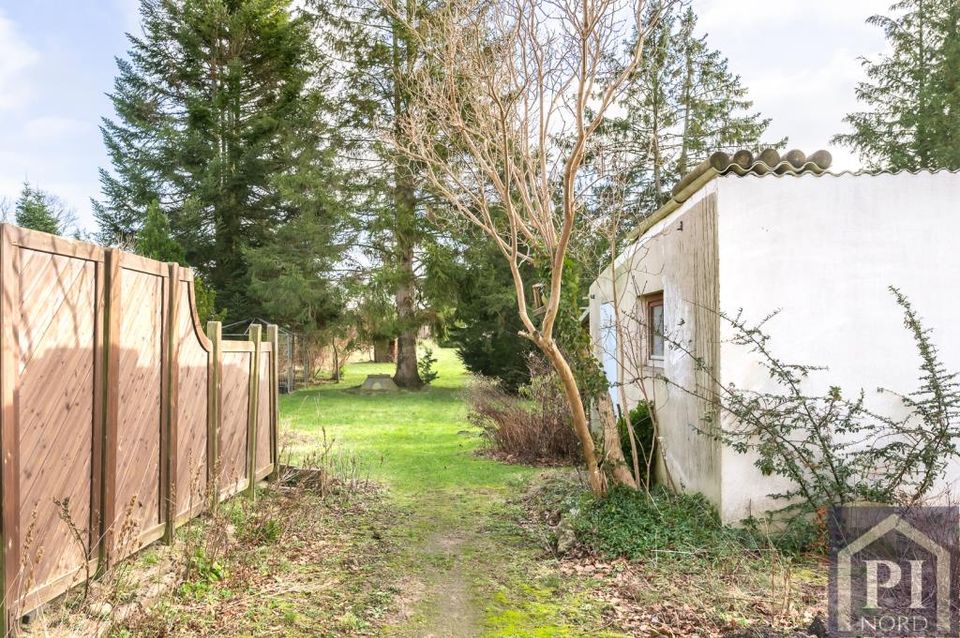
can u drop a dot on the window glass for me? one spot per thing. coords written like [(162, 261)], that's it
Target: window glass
[(656, 328)]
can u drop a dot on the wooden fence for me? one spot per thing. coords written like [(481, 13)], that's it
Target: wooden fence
[(121, 419)]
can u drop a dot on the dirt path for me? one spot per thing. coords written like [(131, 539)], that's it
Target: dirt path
[(444, 571), (448, 601)]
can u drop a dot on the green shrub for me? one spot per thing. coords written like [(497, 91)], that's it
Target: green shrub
[(632, 524), (642, 419), (640, 525), (425, 366)]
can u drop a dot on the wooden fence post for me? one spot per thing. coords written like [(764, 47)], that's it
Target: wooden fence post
[(169, 398), (111, 406), (253, 388), (9, 433), (273, 336), (215, 370)]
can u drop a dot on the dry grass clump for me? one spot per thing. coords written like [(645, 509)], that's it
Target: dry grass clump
[(304, 558), (532, 427)]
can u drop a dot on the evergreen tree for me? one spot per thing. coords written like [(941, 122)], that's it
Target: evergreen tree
[(473, 280), (912, 93), (216, 103), (39, 210), (682, 105), (380, 56), (291, 279), (155, 242), (154, 239)]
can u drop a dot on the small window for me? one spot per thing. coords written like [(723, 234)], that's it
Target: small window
[(654, 311)]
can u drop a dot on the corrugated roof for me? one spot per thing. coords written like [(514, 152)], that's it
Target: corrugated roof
[(743, 162)]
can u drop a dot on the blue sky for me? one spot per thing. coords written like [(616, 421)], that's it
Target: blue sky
[(57, 62)]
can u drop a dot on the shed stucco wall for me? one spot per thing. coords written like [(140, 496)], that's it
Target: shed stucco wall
[(823, 250), (679, 258)]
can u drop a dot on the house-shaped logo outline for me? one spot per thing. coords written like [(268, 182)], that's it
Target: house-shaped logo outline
[(894, 522)]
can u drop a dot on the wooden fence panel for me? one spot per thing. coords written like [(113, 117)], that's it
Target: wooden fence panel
[(264, 414), (137, 506), (114, 411), (53, 323), (233, 424), (194, 360)]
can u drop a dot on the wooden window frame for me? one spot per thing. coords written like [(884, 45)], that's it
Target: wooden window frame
[(650, 302)]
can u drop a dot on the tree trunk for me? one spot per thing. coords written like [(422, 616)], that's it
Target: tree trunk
[(407, 374), (613, 458), (581, 424), (383, 351), (406, 225), (336, 361)]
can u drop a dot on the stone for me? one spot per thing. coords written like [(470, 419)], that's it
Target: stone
[(379, 383)]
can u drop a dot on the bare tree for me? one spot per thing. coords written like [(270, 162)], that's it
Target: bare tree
[(501, 115)]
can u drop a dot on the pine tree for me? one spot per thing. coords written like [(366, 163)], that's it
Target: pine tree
[(154, 239), (381, 56), (216, 103), (291, 280), (39, 210), (682, 105), (474, 281), (912, 119), (155, 242)]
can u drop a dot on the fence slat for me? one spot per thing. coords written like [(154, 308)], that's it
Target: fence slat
[(9, 432), (111, 407), (252, 413), (273, 336), (215, 334), (169, 403)]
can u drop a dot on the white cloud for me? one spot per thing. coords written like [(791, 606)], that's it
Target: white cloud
[(800, 61), (16, 57), (721, 15)]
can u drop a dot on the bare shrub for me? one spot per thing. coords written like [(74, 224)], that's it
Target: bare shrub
[(327, 470), (534, 427), (832, 449)]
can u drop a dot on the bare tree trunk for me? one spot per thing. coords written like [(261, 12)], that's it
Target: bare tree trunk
[(336, 361), (613, 457), (383, 351), (581, 424)]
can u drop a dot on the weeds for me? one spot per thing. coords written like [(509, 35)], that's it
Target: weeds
[(262, 566), (327, 470), (534, 427), (665, 563)]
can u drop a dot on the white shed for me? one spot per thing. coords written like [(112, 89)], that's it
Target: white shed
[(822, 249)]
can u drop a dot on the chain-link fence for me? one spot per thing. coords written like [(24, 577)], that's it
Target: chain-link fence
[(293, 354)]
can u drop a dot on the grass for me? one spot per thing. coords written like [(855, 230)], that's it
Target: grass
[(411, 440), (465, 565)]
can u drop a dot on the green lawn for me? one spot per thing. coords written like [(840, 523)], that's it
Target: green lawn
[(410, 440)]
